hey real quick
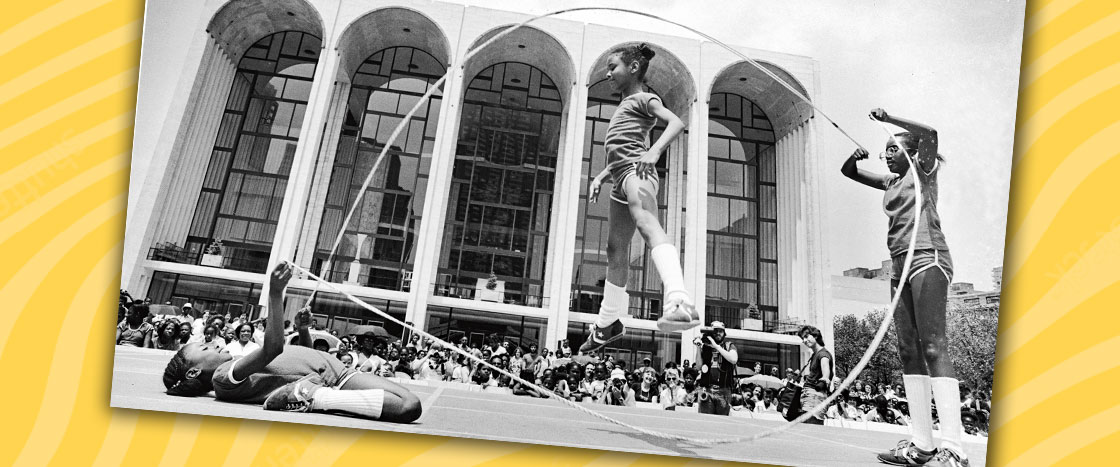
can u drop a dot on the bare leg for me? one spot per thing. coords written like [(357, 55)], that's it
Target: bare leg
[(642, 196), (906, 327), (621, 231), (929, 289)]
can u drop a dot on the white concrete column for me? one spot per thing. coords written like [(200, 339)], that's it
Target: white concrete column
[(436, 198), (200, 99), (324, 165), (300, 178), (569, 179), (696, 221)]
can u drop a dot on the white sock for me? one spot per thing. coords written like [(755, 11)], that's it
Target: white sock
[(364, 402), (667, 261), (947, 396), (918, 395), (616, 304)]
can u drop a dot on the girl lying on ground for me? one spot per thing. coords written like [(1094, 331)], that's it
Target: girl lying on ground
[(292, 378)]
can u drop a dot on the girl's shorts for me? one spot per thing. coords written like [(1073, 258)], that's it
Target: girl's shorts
[(618, 191), (923, 260)]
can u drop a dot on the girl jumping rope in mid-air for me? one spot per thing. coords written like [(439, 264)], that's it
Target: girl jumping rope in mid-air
[(920, 315), (292, 378), (631, 165)]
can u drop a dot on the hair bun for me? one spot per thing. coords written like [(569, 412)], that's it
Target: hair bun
[(646, 52)]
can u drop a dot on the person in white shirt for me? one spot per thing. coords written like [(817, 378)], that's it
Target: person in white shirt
[(244, 344), (672, 393)]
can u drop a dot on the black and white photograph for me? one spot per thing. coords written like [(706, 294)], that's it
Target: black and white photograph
[(759, 231)]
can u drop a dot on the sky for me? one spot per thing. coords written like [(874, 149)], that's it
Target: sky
[(951, 65)]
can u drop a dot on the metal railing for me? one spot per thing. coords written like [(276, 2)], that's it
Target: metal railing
[(175, 254)]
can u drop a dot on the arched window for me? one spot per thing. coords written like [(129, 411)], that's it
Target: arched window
[(243, 190), (379, 245), (496, 235), (742, 233), (593, 226)]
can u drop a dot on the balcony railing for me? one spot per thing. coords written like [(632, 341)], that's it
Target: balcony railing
[(174, 254)]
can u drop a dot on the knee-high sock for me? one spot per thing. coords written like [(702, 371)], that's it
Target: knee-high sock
[(919, 394), (667, 261), (616, 304), (363, 402), (947, 396)]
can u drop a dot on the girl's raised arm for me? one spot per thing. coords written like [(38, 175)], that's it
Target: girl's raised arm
[(273, 332), (871, 179)]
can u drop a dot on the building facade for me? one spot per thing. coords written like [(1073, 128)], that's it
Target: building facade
[(477, 221)]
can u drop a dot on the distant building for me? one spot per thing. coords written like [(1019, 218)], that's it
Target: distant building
[(964, 294), (882, 273)]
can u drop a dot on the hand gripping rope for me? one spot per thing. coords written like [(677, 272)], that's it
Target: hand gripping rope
[(698, 441)]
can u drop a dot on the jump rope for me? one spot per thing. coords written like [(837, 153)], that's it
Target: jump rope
[(875, 342)]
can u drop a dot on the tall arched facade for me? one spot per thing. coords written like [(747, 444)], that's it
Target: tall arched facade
[(477, 222)]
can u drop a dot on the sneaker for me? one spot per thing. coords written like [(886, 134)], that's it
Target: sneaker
[(906, 453), (679, 314), (947, 458), (294, 396), (602, 336)]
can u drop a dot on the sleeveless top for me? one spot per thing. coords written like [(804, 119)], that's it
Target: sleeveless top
[(628, 132), (721, 372), (898, 204)]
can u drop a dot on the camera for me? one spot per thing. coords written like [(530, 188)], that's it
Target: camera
[(704, 335)]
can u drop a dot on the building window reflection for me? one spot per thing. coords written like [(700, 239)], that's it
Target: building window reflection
[(379, 245), (243, 189), (742, 244), (593, 225), (496, 235)]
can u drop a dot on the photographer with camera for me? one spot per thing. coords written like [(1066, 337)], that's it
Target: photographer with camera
[(816, 375), (717, 370), (617, 391)]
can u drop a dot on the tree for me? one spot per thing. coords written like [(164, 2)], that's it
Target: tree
[(853, 335), (972, 345)]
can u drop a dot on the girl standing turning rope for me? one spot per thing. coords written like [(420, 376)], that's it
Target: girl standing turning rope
[(631, 165), (920, 314), (292, 378)]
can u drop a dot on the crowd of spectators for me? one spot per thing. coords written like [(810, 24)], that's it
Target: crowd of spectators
[(594, 379)]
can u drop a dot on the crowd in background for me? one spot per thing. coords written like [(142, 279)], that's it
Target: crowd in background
[(594, 379)]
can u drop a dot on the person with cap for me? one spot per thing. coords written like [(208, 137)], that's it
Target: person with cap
[(717, 371), (617, 391), (185, 315)]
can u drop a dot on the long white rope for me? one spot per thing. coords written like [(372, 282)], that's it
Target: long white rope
[(705, 441)]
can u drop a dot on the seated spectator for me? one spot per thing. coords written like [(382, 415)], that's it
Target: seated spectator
[(673, 393), (646, 390), (483, 377), (244, 341), (617, 392), (210, 335), (430, 367), (185, 330), (461, 373), (167, 335), (560, 384), (133, 331)]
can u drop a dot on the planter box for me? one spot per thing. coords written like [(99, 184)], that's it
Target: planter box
[(212, 260)]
